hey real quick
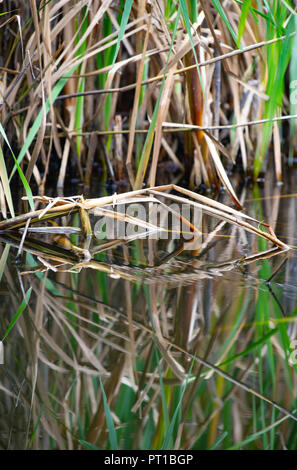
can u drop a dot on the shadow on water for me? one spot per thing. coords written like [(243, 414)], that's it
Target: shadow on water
[(194, 347)]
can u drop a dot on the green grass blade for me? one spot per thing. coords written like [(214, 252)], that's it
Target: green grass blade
[(250, 348), (150, 135), (185, 13), (20, 171), (173, 421), (124, 22), (109, 420), (37, 123), (88, 445), (218, 441), (193, 8), (224, 18), (257, 434), (36, 426), (243, 17), (270, 13), (18, 313), (163, 393), (254, 11), (278, 58), (5, 183)]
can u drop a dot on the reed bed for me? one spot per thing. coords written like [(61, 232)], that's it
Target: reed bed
[(117, 352), (133, 343), (132, 86)]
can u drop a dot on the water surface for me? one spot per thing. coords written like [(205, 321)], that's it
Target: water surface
[(208, 332)]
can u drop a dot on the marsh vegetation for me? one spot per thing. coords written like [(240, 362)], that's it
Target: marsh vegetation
[(172, 331)]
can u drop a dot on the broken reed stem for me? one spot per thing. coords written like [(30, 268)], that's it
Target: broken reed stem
[(205, 204), (20, 221)]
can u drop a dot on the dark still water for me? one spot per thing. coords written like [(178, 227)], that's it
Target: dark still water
[(192, 345)]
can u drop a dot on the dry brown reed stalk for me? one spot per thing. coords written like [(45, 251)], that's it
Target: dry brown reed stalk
[(63, 206), (70, 88), (55, 40), (135, 106)]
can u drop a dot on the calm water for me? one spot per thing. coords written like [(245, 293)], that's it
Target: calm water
[(135, 316)]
